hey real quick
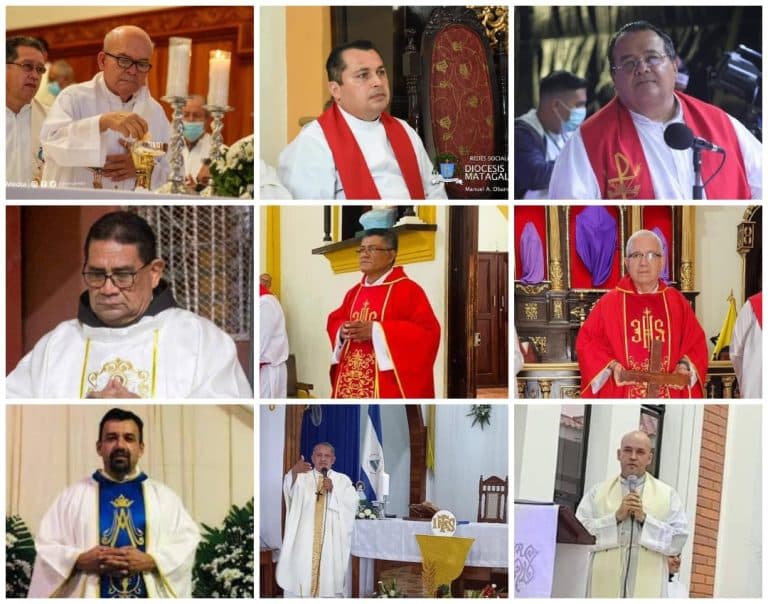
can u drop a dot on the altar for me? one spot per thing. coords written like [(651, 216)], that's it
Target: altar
[(393, 539)]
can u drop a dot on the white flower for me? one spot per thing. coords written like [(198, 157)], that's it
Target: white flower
[(10, 539), (361, 515)]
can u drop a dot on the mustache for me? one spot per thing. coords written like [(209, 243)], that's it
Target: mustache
[(119, 452)]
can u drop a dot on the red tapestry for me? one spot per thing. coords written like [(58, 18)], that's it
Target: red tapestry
[(461, 105)]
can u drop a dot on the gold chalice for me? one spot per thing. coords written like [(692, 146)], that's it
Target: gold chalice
[(144, 154)]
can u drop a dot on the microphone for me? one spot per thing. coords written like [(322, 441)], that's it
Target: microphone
[(681, 137), (632, 479), (324, 472)]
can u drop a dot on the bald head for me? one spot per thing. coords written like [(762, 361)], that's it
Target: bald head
[(126, 34), (635, 453)]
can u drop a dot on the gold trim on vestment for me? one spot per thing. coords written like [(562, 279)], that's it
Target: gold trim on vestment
[(317, 538), (85, 366)]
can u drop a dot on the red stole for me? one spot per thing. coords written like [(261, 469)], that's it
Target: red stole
[(349, 160), (412, 336), (621, 327), (618, 161), (756, 302)]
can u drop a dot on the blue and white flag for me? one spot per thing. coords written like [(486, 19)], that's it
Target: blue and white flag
[(372, 455)]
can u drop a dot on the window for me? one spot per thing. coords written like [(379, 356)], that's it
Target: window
[(571, 455)]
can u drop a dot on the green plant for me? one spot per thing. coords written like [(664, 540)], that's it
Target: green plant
[(481, 414), (446, 158), (19, 557), (224, 559)]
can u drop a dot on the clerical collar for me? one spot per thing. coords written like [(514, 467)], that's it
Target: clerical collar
[(355, 123), (639, 118), (101, 476), (162, 299), (378, 281)]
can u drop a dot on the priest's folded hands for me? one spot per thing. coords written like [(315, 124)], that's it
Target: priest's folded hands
[(631, 505), (114, 561), (113, 389), (357, 331)]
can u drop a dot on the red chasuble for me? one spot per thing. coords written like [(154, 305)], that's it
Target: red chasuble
[(622, 326), (618, 161), (355, 176), (756, 302), (412, 336)]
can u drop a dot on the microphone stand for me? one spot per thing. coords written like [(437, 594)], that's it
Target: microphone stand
[(698, 183)]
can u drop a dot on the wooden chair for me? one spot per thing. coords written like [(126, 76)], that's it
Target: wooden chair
[(492, 499)]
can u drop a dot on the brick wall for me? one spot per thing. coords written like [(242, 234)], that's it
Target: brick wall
[(708, 500)]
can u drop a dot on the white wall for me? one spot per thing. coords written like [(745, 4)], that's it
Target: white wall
[(310, 291), (739, 549), (463, 453), (537, 428), (493, 230), (272, 83), (718, 265)]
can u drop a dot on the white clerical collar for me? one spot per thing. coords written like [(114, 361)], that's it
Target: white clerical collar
[(24, 109), (378, 281), (653, 291), (128, 478), (640, 119), (356, 123), (640, 479)]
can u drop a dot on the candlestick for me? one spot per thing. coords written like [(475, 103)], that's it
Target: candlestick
[(179, 57), (217, 139), (175, 183), (218, 77), (384, 484)]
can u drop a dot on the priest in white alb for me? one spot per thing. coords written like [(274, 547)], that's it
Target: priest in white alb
[(116, 533), (355, 149), (90, 126), (320, 511), (130, 339), (746, 347), (273, 346), (638, 521)]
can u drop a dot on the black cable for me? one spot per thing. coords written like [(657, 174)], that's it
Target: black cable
[(720, 167), (629, 553)]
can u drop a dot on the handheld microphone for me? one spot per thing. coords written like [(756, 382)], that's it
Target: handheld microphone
[(632, 483), (681, 137), (324, 472)]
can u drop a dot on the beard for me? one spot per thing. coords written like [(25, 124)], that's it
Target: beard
[(120, 461)]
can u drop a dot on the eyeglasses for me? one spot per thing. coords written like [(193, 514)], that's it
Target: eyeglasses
[(127, 63), (30, 67), (649, 256), (120, 279), (652, 59), (370, 249)]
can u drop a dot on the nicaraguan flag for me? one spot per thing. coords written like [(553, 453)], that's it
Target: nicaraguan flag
[(372, 455)]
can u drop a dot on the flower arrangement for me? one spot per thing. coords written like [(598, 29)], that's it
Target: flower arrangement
[(489, 591), (233, 173), (224, 558), (389, 589), (481, 414), (366, 511), (19, 557)]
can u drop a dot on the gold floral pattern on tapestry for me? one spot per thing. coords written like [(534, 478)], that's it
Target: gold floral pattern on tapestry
[(442, 66), (356, 379), (445, 122)]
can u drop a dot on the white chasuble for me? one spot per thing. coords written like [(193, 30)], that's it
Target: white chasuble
[(173, 354), (640, 547), (318, 535), (71, 527), (72, 142)]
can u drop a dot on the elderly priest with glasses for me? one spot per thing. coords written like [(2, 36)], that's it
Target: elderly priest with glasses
[(642, 339), (130, 338), (91, 125)]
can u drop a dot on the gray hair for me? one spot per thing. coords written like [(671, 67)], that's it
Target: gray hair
[(325, 444), (640, 233)]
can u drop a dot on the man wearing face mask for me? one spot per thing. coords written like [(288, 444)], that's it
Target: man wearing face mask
[(60, 75), (541, 133), (198, 141)]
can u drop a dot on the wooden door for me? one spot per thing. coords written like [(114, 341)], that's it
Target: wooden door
[(491, 319)]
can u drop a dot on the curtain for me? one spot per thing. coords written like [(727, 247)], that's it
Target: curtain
[(338, 425), (204, 453)]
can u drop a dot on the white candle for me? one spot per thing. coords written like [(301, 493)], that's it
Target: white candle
[(179, 57), (218, 78), (384, 485)]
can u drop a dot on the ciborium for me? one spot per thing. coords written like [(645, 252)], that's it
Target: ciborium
[(144, 155)]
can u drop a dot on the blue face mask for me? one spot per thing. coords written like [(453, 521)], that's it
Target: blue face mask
[(576, 116), (54, 88), (193, 130)]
